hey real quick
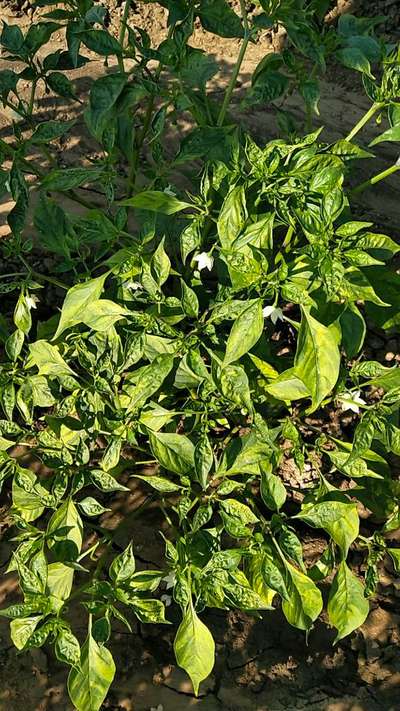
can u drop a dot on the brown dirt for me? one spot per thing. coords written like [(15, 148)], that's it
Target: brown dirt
[(262, 664)]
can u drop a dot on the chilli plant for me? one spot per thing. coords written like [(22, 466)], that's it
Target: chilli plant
[(193, 323)]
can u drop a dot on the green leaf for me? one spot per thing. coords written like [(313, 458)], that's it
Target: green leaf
[(363, 435), (48, 360), (309, 89), (272, 489), (159, 483), (238, 510), (288, 386), (105, 481), (268, 86), (317, 358), (245, 332), (217, 17), (174, 452), (354, 58), (22, 315), (338, 518), (123, 566), (59, 580), (149, 610), (12, 38), (22, 629), (382, 246), (356, 469), (194, 648), (395, 556), (304, 604), (101, 314), (50, 131), (103, 96), (39, 34), (65, 531), (232, 217), (151, 379), (27, 503), (206, 141), (69, 178), (234, 385), (157, 201), (89, 684), (253, 570), (112, 455), (203, 460), (347, 606), (101, 42), (62, 86), (353, 329), (8, 82), (91, 507), (392, 134), (189, 300), (160, 264), (67, 648), (77, 300)]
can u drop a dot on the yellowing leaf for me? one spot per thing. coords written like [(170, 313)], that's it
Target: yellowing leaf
[(317, 358), (194, 648), (78, 299), (89, 684), (347, 606), (338, 518), (304, 604)]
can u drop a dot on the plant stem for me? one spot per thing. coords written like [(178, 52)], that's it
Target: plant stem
[(122, 32), (375, 179), (32, 98), (38, 276), (370, 113), (145, 128), (239, 61)]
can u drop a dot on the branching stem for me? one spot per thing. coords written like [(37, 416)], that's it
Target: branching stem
[(239, 62), (375, 179), (376, 106), (122, 32)]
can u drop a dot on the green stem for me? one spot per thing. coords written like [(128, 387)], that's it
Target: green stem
[(13, 274), (122, 32), (145, 128), (32, 97), (375, 179), (239, 62), (370, 113), (38, 276)]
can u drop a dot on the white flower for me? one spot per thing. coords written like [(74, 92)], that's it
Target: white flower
[(204, 261), (169, 192), (166, 599), (160, 707), (274, 313), (351, 401), (170, 579), (31, 301), (133, 285)]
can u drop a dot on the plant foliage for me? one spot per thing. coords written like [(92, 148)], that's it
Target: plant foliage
[(157, 333)]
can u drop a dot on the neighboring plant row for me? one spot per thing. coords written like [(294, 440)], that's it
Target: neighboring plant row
[(197, 332)]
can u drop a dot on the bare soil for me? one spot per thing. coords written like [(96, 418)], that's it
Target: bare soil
[(262, 663)]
